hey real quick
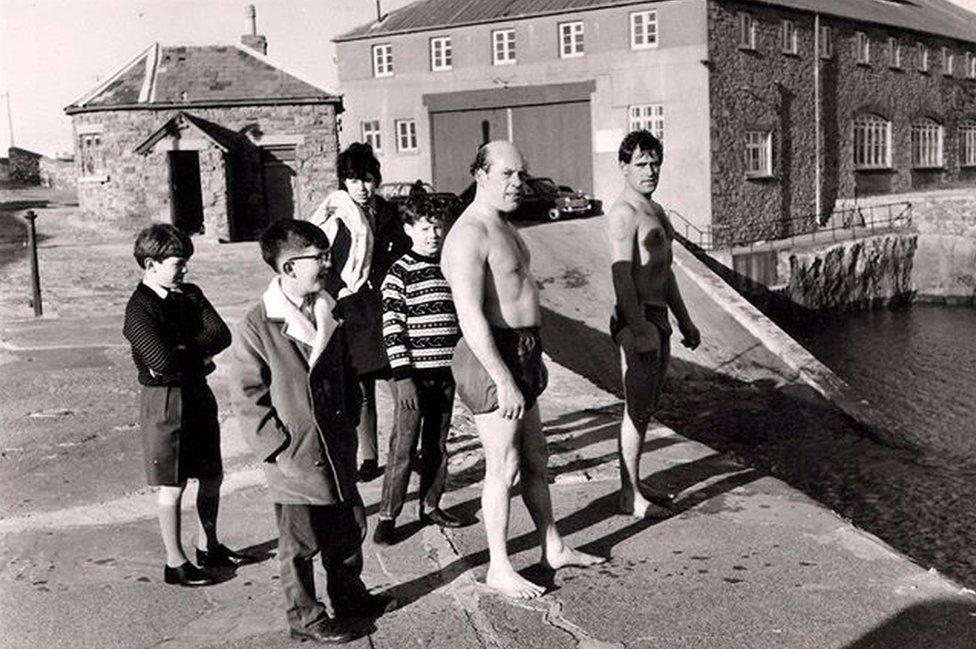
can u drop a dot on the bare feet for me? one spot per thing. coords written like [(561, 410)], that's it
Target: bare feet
[(639, 507), (567, 556), (510, 583)]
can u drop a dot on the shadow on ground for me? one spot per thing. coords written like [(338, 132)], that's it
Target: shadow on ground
[(947, 624)]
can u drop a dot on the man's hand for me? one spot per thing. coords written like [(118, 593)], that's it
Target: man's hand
[(690, 336), (406, 391), (511, 403)]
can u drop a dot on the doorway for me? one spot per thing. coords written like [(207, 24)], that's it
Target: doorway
[(185, 195)]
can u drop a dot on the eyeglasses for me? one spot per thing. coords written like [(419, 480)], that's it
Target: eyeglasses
[(321, 257)]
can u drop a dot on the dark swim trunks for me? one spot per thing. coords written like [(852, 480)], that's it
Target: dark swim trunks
[(644, 376), (521, 351)]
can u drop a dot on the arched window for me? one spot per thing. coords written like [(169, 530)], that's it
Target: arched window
[(926, 144), (872, 142), (967, 144)]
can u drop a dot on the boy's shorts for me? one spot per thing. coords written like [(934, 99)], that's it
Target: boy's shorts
[(521, 351), (180, 433)]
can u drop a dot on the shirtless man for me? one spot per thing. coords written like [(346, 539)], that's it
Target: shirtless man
[(498, 363), (644, 287)]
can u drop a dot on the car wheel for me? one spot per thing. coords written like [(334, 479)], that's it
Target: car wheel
[(554, 214)]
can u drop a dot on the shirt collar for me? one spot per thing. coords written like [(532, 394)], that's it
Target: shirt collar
[(158, 290)]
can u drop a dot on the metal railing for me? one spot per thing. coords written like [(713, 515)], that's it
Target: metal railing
[(839, 225)]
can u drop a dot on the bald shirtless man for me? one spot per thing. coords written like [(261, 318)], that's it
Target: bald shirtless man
[(498, 363), (644, 287)]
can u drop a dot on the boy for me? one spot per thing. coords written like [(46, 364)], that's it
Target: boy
[(420, 330), (297, 400), (174, 332)]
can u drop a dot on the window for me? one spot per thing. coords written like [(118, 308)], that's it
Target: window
[(570, 39), (649, 117), (922, 57), (747, 31), (872, 142), (894, 54), (90, 154), (967, 144), (826, 42), (440, 53), (371, 134), (503, 47), (926, 144), (643, 30), (406, 133), (970, 65), (383, 60), (788, 40), (948, 61), (862, 48), (759, 153)]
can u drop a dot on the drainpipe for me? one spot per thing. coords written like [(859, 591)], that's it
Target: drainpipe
[(818, 207)]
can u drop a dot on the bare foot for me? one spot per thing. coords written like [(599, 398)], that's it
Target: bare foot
[(639, 507), (510, 583), (568, 556)]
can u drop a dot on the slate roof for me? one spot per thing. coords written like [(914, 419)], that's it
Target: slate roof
[(938, 17), (199, 75)]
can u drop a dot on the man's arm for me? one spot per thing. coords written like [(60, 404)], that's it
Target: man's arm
[(250, 394), (464, 263), (689, 332), (622, 225)]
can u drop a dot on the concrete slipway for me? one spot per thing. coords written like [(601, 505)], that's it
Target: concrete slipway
[(747, 561)]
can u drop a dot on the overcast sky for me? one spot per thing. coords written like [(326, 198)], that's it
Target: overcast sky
[(54, 51)]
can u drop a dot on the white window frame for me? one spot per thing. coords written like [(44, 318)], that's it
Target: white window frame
[(747, 31), (948, 61), (647, 38), (862, 48), (927, 140), (894, 53), (826, 42), (406, 135), (967, 143), (91, 156), (648, 117), (382, 60), (789, 41), (571, 39), (372, 133), (872, 142), (503, 47), (441, 54), (922, 57), (758, 153), (970, 65)]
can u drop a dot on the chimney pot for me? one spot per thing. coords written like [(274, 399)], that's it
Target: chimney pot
[(251, 38)]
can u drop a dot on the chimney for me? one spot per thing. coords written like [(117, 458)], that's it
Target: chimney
[(251, 38)]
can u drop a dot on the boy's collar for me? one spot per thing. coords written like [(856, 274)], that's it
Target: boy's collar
[(434, 259), (161, 291), (278, 306)]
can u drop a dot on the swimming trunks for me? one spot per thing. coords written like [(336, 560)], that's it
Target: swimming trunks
[(644, 374), (521, 351)]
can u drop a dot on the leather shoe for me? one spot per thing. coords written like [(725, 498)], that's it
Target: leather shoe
[(222, 557), (384, 532), (441, 518), (366, 605), (187, 575), (326, 632)]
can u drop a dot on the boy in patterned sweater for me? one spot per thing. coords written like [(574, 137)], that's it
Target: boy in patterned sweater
[(420, 330)]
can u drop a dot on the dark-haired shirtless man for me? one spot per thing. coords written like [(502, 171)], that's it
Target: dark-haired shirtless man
[(644, 286)]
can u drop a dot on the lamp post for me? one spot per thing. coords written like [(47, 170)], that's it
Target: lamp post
[(35, 273)]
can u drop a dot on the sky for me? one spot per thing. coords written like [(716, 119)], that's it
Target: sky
[(54, 51)]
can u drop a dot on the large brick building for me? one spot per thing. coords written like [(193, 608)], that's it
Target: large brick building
[(215, 139), (769, 110)]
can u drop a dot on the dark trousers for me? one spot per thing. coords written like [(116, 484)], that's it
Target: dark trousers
[(429, 425), (304, 531)]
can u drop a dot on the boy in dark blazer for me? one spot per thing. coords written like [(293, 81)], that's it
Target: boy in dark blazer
[(297, 399)]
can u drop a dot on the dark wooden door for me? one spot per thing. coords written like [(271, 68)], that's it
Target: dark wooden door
[(456, 137), (186, 197), (280, 182)]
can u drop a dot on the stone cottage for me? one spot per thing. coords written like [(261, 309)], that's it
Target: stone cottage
[(215, 139)]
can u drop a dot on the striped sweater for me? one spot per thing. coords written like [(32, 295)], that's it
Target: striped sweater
[(420, 326)]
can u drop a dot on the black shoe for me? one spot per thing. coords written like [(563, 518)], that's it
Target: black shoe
[(441, 518), (187, 575), (384, 532), (364, 606), (222, 557), (327, 632), (369, 471)]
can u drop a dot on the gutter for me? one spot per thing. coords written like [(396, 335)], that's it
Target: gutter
[(223, 103)]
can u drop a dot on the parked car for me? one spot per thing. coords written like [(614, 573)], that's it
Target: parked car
[(543, 199), (398, 193)]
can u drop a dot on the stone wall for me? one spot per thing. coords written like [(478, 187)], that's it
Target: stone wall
[(59, 173), (766, 89), (128, 189)]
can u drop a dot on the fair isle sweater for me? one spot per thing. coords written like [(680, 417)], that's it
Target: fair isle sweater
[(420, 325)]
